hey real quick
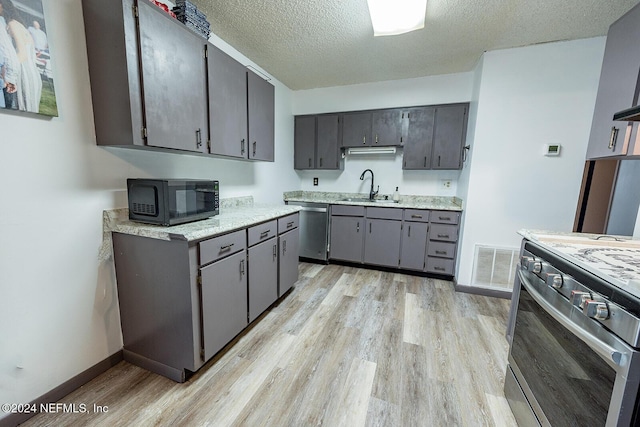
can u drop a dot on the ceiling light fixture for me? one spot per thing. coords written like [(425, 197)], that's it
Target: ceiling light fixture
[(392, 17)]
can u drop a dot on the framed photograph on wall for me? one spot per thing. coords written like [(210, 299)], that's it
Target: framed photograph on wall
[(26, 76)]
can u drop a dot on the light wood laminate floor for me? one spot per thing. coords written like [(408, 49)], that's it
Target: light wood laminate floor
[(347, 347)]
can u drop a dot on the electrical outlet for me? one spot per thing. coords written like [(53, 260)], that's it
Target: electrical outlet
[(445, 183), (315, 182)]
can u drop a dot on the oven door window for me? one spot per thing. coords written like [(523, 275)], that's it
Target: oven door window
[(570, 382)]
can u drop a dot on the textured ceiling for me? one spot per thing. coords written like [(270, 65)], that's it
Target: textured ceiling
[(319, 43)]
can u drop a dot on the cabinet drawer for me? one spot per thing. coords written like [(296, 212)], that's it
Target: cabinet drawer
[(287, 223), (445, 217), (416, 215), (262, 232), (222, 246), (346, 210), (443, 232), (440, 266), (384, 213), (442, 249)]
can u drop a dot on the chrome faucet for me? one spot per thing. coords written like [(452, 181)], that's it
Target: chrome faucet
[(372, 194)]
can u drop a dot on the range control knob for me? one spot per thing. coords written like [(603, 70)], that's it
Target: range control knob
[(535, 266), (555, 280), (596, 309), (579, 299)]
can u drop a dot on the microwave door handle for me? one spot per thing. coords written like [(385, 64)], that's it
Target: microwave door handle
[(605, 351)]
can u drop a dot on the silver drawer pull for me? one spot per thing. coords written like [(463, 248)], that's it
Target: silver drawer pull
[(614, 136), (441, 252), (227, 247), (444, 218), (241, 267), (265, 234), (443, 236), (290, 224), (416, 216)]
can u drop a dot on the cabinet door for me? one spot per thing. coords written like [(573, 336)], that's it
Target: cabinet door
[(174, 82), (288, 260), (414, 245), (356, 130), (386, 127), (227, 104), (448, 138), (617, 87), (304, 142), (261, 98), (347, 235), (328, 142), (418, 142), (263, 277), (224, 302), (382, 242)]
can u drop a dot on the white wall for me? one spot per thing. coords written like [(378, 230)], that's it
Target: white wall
[(58, 310), (387, 168), (528, 97)]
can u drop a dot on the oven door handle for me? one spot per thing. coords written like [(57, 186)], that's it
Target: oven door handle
[(604, 350)]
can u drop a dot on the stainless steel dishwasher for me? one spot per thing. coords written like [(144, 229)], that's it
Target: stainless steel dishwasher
[(314, 229)]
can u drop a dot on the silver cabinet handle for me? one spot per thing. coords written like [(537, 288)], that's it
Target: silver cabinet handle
[(425, 161), (254, 148), (290, 224), (242, 147), (409, 235), (364, 139), (198, 138), (438, 160), (241, 267), (369, 228), (284, 247), (439, 268), (603, 349), (444, 218), (443, 236), (275, 251), (358, 227), (612, 139), (265, 234), (227, 247), (376, 138), (320, 161), (441, 252), (309, 161), (416, 216)]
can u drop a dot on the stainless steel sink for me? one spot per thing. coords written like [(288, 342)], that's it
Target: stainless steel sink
[(365, 200)]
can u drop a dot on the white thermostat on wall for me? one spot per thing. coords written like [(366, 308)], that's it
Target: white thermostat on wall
[(552, 149)]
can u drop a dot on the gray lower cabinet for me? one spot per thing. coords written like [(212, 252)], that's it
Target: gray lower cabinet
[(347, 238), (382, 242), (288, 244), (617, 88), (224, 301), (263, 267), (227, 104), (443, 238), (260, 111), (414, 239)]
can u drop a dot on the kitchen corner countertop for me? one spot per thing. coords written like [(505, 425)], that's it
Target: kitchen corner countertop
[(234, 214), (406, 201), (615, 259)]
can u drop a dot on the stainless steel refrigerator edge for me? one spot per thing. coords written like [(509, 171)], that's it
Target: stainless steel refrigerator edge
[(314, 229)]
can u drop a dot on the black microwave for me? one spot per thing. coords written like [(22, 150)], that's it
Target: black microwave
[(172, 201)]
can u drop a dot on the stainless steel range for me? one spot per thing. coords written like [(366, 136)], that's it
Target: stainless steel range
[(574, 358)]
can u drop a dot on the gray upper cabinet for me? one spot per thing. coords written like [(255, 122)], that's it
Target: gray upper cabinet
[(137, 99), (316, 142), (304, 142), (386, 127), (174, 107), (418, 143), (328, 141), (356, 129), (617, 88), (261, 98), (227, 104), (449, 136)]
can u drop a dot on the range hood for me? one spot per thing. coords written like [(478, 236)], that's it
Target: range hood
[(629, 115)]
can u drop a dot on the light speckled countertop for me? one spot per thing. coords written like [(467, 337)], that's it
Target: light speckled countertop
[(615, 259), (406, 201), (234, 214)]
